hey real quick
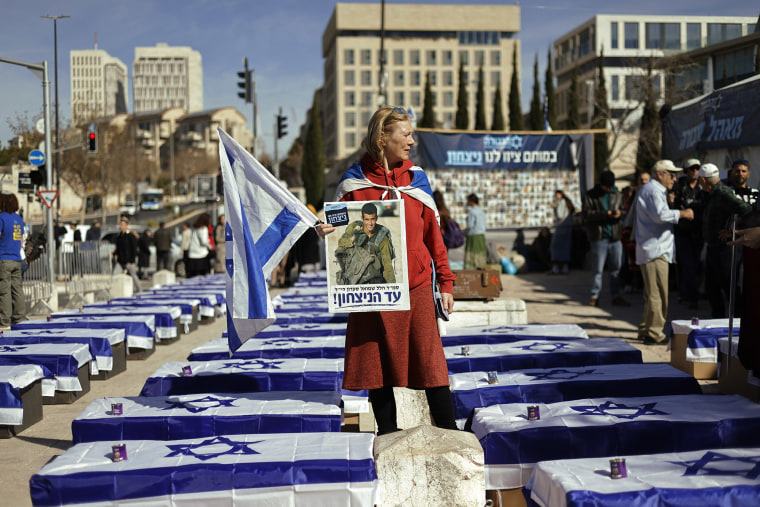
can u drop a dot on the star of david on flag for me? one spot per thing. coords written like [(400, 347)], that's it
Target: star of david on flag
[(212, 448), (190, 405), (264, 220), (716, 463), (619, 410)]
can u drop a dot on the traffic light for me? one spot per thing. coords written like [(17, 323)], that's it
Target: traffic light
[(92, 140), (245, 84), (39, 176), (282, 126)]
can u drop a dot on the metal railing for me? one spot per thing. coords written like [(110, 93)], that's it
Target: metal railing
[(83, 268), (37, 285)]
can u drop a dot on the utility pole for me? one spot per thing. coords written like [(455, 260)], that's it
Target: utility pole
[(382, 98), (57, 125)]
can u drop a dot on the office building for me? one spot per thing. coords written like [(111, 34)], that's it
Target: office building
[(419, 41), (166, 77), (628, 42), (98, 85)]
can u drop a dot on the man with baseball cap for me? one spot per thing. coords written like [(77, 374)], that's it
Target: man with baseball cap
[(722, 205), (655, 247), (687, 193)]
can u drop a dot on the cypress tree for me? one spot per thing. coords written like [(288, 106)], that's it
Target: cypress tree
[(536, 116), (573, 111), (515, 107), (480, 102), (551, 98), (601, 115), (497, 122), (313, 165), (462, 120), (428, 115)]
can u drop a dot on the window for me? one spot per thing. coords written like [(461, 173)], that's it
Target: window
[(434, 98), (366, 57), (631, 35), (495, 78), (495, 58), (348, 57), (448, 98), (656, 88), (348, 78), (447, 57), (634, 87), (663, 35), (365, 116), (480, 57), (398, 57), (350, 119), (448, 78), (693, 35), (430, 57), (366, 77), (464, 57), (416, 99), (414, 57), (614, 35), (432, 75), (350, 140), (751, 28), (399, 98), (398, 78), (615, 91), (366, 98), (414, 78), (718, 32), (350, 100), (584, 46)]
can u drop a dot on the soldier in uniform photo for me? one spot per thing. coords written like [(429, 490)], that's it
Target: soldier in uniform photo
[(365, 251)]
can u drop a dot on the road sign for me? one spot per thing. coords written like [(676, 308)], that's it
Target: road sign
[(25, 184), (36, 157), (40, 125), (48, 197)]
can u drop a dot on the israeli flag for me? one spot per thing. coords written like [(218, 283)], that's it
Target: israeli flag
[(263, 221)]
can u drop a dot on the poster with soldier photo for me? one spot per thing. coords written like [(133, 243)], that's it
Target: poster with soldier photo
[(366, 256)]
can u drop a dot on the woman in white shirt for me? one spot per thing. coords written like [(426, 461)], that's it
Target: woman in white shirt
[(197, 254)]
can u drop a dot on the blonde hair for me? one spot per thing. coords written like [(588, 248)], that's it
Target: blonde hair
[(381, 125)]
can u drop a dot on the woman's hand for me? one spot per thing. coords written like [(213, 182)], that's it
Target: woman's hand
[(448, 301), (325, 229), (747, 237)]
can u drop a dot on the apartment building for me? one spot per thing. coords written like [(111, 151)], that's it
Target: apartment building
[(98, 85), (628, 42), (167, 76), (419, 41)]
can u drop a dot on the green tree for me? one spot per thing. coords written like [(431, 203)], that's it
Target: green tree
[(648, 151), (515, 108), (313, 166), (551, 98), (480, 102), (428, 115), (573, 113), (462, 120), (599, 121), (497, 122), (536, 116)]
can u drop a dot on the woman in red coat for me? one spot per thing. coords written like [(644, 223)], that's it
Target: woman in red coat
[(400, 348)]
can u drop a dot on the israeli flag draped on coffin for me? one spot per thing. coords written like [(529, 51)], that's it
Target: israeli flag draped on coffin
[(263, 220)]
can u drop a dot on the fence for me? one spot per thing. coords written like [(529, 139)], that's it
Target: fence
[(37, 284), (83, 268)]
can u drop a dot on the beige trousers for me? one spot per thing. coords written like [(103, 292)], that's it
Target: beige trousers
[(655, 275)]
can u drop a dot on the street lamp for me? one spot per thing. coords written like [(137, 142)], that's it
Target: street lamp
[(55, 49)]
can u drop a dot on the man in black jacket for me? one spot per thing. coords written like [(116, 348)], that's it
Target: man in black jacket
[(125, 252), (603, 213)]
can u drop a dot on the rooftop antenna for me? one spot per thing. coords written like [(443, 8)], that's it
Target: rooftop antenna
[(96, 40)]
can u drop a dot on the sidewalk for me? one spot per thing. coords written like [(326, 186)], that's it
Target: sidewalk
[(550, 299)]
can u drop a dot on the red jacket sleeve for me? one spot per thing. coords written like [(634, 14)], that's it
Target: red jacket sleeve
[(434, 243)]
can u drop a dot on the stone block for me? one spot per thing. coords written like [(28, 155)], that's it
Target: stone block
[(499, 312), (430, 466), (164, 277), (122, 286), (411, 408)]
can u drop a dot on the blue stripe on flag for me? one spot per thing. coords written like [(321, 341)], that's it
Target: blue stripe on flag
[(257, 292), (275, 234), (233, 339)]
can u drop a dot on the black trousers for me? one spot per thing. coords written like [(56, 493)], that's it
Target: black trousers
[(384, 406)]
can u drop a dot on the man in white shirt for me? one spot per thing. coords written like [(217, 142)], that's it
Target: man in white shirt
[(655, 247)]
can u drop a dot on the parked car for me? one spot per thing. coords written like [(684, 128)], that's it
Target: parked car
[(129, 207)]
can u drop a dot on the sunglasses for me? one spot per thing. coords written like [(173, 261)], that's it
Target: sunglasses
[(398, 110)]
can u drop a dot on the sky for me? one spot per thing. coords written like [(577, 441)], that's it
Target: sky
[(282, 40)]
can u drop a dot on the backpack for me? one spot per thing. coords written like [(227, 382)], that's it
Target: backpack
[(453, 236), (32, 249)]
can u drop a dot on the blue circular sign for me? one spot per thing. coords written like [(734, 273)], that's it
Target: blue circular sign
[(36, 157)]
